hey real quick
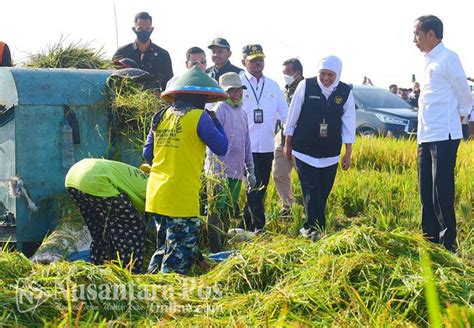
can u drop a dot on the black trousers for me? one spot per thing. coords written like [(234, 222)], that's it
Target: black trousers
[(254, 213), (316, 185), (436, 163), (115, 226)]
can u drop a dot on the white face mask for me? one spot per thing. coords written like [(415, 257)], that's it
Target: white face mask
[(288, 79)]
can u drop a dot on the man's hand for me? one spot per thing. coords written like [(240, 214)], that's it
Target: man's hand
[(145, 167), (287, 150), (252, 180), (346, 160)]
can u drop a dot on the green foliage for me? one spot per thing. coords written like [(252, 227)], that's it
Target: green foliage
[(365, 271), (69, 55), (381, 190), (358, 276), (134, 109), (432, 301)]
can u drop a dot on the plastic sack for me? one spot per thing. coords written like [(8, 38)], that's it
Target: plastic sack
[(68, 241)]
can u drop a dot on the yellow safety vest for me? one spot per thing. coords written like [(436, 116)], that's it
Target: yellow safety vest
[(178, 157)]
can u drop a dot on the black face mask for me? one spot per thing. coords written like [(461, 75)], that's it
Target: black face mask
[(143, 36), (190, 100)]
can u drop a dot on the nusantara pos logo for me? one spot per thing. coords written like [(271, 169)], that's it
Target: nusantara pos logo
[(29, 295)]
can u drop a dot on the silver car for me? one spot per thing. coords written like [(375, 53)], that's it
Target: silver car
[(380, 112)]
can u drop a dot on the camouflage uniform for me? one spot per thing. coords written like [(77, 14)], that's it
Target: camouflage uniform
[(288, 92), (176, 244)]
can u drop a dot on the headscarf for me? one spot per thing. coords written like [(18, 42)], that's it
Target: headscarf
[(334, 64)]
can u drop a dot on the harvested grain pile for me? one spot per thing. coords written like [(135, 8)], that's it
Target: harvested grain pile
[(359, 276), (63, 54)]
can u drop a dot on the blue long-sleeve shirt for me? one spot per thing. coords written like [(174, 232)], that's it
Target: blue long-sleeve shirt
[(209, 130)]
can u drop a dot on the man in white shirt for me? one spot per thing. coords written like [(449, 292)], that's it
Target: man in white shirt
[(471, 120), (264, 103), (444, 100)]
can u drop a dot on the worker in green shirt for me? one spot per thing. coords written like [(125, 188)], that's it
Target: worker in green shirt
[(111, 198)]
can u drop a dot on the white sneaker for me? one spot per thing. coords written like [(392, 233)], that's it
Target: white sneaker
[(308, 233), (304, 232)]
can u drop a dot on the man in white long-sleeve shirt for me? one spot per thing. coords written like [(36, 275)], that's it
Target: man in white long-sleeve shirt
[(444, 100), (264, 103)]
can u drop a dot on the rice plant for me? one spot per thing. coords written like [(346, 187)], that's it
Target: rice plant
[(65, 54), (367, 270)]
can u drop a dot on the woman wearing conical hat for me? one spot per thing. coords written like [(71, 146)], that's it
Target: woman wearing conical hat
[(176, 147)]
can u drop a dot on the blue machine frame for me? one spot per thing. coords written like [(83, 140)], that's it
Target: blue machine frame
[(32, 103)]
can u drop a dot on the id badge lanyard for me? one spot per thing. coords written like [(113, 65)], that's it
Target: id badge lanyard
[(258, 112), (323, 127)]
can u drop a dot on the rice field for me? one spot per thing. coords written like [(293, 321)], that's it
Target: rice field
[(372, 267)]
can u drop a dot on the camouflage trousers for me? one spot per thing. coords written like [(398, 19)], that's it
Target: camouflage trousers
[(176, 244)]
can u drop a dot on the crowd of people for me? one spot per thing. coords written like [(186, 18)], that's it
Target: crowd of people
[(239, 126), (410, 95), (230, 122)]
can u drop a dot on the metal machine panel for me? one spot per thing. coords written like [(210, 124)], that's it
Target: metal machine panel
[(33, 105)]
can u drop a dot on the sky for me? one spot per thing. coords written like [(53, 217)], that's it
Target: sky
[(372, 38)]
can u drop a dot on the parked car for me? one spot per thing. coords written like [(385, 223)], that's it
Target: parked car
[(380, 112)]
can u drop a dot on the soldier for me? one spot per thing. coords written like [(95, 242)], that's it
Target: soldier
[(293, 74)]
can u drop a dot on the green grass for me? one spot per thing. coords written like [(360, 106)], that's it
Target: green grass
[(358, 276), (367, 270), (65, 54), (134, 109), (381, 190)]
